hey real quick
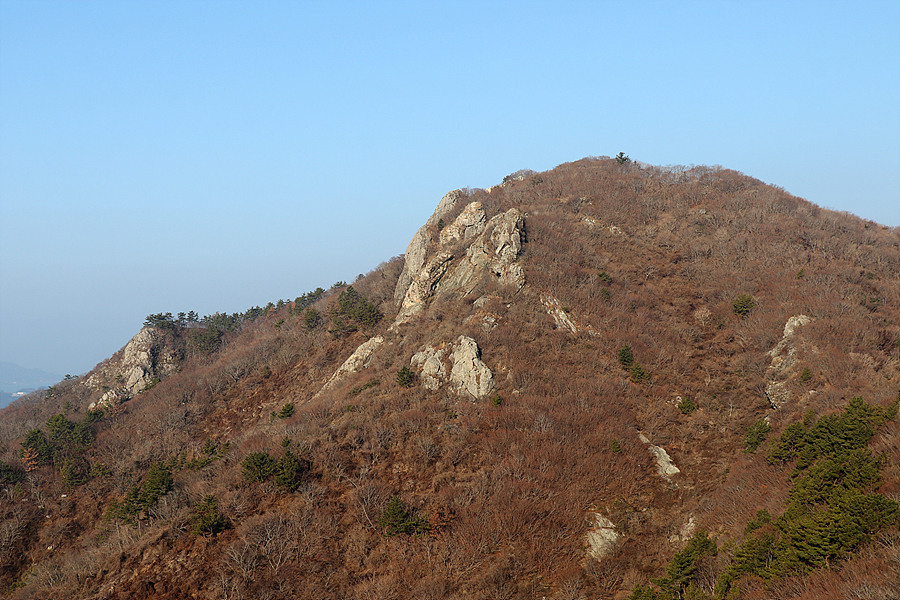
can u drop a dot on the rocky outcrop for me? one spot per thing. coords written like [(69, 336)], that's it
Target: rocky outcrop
[(493, 253), (555, 310), (468, 224), (602, 538), (414, 258), (145, 359), (467, 375), (430, 362), (357, 361), (664, 465), (685, 533), (784, 354), (561, 317), (424, 285), (784, 357)]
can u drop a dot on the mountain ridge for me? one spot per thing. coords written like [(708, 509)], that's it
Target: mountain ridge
[(556, 384)]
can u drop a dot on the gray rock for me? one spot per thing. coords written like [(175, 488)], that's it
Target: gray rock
[(493, 255), (414, 258), (602, 537), (685, 533), (784, 358), (469, 376), (664, 465), (144, 358), (422, 288), (555, 310), (470, 222), (433, 369), (778, 394), (357, 361)]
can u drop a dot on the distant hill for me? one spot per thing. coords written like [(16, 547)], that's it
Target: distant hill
[(609, 380), (16, 378)]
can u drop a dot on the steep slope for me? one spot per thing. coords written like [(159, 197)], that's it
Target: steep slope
[(550, 395)]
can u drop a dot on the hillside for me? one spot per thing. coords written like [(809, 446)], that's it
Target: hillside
[(607, 380)]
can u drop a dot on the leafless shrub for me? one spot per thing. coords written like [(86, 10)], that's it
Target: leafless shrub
[(242, 557), (383, 436), (276, 538), (427, 448)]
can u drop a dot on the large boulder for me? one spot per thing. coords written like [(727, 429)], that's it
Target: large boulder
[(467, 375), (602, 537), (664, 465), (433, 371)]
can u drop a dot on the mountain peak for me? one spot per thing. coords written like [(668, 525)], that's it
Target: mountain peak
[(609, 379)]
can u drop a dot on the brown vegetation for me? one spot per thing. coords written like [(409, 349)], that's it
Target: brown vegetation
[(653, 258)]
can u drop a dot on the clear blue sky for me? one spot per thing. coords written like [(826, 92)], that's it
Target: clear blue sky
[(212, 156)]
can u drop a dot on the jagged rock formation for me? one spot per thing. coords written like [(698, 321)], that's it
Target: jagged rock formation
[(144, 359), (493, 253), (555, 310), (561, 318), (424, 285), (430, 361), (415, 252), (468, 375), (469, 223)]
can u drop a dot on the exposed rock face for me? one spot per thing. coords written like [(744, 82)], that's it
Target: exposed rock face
[(561, 318), (424, 285), (555, 310), (468, 375), (357, 361), (685, 533), (783, 354), (144, 358), (418, 246), (494, 252), (431, 361), (602, 537), (664, 465), (784, 357), (777, 393), (468, 224)]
